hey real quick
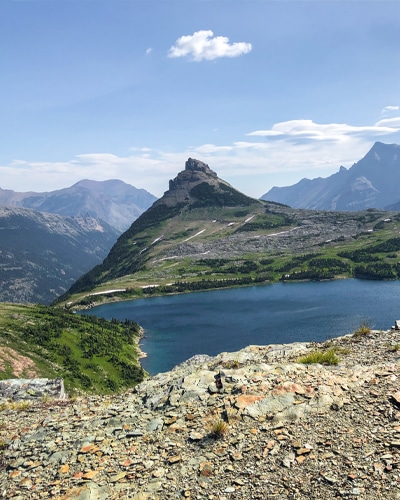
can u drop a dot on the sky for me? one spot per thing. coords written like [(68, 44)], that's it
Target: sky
[(266, 92)]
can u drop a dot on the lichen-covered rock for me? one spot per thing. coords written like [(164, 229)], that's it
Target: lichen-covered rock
[(251, 424), (25, 389)]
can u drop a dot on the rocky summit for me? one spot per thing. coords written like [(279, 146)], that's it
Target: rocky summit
[(255, 424), (197, 181)]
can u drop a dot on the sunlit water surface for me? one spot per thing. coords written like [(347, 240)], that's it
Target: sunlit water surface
[(180, 326)]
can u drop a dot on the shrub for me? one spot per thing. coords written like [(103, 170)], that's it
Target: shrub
[(219, 428), (362, 330), (232, 364), (328, 357)]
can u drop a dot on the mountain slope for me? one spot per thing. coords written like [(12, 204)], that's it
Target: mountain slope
[(371, 182), (204, 234), (90, 354), (113, 201), (185, 211), (42, 254)]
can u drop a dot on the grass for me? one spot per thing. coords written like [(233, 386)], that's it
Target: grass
[(328, 357), (363, 330), (232, 364), (16, 405), (219, 428)]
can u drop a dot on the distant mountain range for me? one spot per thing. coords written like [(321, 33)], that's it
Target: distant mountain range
[(113, 201), (42, 254), (372, 182), (201, 234)]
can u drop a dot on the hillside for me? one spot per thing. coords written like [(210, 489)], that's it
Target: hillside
[(260, 423), (205, 234), (91, 355), (113, 201), (42, 254), (370, 183), (197, 202)]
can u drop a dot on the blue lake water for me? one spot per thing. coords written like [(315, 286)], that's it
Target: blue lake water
[(180, 326)]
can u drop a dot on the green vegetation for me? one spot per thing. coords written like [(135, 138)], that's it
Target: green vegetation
[(16, 405), (208, 195), (328, 357), (221, 238), (232, 364), (219, 428), (92, 355), (362, 330)]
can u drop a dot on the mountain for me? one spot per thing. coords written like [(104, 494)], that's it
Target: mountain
[(371, 182), (113, 201), (202, 233), (189, 208), (42, 254)]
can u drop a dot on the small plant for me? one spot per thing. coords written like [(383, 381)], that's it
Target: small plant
[(232, 364), (328, 357), (15, 405), (394, 348), (219, 428), (362, 330)]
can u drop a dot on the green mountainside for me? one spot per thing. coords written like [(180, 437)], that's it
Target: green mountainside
[(205, 234), (91, 354)]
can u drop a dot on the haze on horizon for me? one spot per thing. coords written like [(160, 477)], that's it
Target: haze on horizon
[(265, 92)]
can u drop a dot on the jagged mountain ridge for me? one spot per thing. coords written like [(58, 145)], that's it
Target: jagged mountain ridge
[(42, 254), (372, 182), (113, 201)]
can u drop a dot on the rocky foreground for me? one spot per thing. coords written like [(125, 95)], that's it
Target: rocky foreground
[(247, 425)]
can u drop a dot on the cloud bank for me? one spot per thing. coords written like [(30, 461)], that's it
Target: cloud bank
[(280, 155), (295, 130), (203, 45)]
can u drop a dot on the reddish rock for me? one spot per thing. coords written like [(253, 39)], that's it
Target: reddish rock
[(246, 399)]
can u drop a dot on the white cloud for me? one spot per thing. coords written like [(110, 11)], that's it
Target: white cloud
[(149, 51), (392, 123), (204, 45), (280, 155), (390, 109), (307, 130)]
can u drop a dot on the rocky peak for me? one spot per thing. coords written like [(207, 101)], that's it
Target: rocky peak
[(196, 172), (199, 166)]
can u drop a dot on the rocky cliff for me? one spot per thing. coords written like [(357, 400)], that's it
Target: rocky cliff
[(255, 424), (198, 184)]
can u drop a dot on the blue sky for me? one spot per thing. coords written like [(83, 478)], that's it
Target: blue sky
[(264, 91)]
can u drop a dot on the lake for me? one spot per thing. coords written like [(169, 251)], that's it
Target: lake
[(180, 326)]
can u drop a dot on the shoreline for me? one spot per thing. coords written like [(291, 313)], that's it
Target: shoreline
[(140, 354)]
